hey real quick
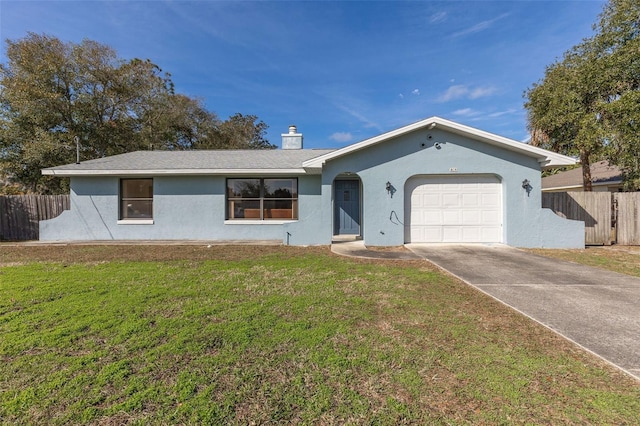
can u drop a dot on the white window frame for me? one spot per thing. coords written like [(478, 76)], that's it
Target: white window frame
[(124, 219)]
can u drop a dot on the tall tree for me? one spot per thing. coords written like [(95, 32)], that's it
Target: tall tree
[(618, 39), (54, 93), (178, 122), (584, 105), (240, 132), (563, 111)]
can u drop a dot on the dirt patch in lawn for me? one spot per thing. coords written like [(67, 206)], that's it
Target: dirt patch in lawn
[(11, 255), (142, 253)]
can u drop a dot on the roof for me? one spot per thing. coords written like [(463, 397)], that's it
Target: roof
[(602, 173), (278, 161), (264, 162), (545, 158)]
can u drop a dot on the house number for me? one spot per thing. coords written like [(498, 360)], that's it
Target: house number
[(453, 169)]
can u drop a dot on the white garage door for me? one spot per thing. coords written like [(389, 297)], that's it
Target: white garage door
[(453, 209)]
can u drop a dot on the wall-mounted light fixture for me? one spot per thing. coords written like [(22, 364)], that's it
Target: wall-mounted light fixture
[(526, 185), (390, 189)]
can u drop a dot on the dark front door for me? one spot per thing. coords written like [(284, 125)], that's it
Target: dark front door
[(347, 207)]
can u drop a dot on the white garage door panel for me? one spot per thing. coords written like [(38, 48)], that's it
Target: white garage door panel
[(430, 218), (449, 217), (470, 200), (471, 217), (491, 217), (454, 209)]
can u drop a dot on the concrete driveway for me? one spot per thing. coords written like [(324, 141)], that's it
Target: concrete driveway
[(598, 310)]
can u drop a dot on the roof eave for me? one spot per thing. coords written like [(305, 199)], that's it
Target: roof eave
[(546, 158), (558, 160), (172, 172)]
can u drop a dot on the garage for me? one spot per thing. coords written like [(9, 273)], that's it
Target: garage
[(453, 209)]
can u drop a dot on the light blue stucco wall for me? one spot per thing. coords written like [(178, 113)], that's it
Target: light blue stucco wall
[(525, 223), (193, 207), (184, 208)]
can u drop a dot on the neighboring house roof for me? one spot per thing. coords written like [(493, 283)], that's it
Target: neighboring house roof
[(545, 158), (271, 161), (602, 173)]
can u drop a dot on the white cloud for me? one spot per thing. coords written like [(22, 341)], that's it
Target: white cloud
[(341, 137), (454, 92), (501, 113), (460, 91), (438, 17), (361, 117), (401, 96), (481, 92), (415, 92), (480, 26), (465, 112)]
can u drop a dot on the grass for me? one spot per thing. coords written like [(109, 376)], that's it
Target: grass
[(265, 335), (622, 259)]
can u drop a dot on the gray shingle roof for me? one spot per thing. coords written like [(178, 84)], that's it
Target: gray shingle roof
[(186, 162), (602, 173)]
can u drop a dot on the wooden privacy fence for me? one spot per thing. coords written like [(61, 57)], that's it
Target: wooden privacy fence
[(593, 208), (20, 214), (627, 206), (608, 217)]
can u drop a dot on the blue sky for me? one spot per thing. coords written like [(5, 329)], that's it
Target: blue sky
[(340, 71)]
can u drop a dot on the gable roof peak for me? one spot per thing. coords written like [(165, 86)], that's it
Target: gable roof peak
[(544, 157)]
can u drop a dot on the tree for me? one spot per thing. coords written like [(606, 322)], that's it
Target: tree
[(584, 105), (178, 122), (239, 132), (619, 41), (53, 94), (562, 112)]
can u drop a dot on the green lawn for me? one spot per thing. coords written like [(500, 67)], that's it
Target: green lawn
[(622, 259), (256, 335)]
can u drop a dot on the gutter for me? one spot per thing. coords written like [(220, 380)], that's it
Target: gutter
[(178, 172)]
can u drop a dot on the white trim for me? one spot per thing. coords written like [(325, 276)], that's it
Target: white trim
[(257, 222), (135, 222), (169, 172), (544, 157)]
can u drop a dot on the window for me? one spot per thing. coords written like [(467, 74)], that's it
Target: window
[(136, 199), (262, 199)]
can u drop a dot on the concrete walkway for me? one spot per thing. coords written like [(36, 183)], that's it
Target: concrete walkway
[(356, 248), (596, 309)]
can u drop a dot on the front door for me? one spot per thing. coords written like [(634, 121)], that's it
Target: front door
[(346, 219)]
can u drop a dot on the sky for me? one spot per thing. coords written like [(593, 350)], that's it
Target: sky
[(341, 71)]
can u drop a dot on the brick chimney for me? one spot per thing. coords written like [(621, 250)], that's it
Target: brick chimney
[(293, 139)]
